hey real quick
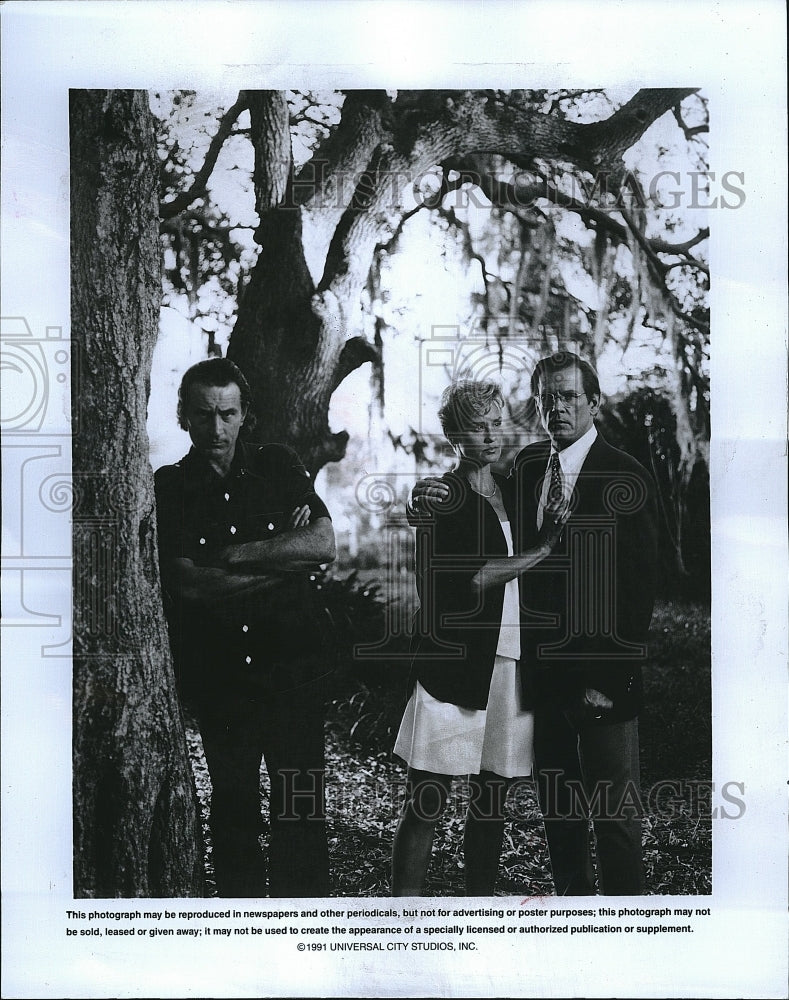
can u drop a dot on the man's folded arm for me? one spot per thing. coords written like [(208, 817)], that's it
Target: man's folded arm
[(211, 585), (298, 549)]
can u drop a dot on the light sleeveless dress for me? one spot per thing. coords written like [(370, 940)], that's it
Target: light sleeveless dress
[(444, 738)]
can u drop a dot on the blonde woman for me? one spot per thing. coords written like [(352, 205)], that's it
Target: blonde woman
[(466, 713)]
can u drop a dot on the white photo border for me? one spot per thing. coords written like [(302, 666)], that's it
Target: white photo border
[(736, 54)]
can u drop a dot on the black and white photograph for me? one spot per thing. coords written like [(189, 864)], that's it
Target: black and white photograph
[(294, 293), (392, 507)]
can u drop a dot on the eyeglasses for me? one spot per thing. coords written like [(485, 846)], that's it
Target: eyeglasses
[(548, 400)]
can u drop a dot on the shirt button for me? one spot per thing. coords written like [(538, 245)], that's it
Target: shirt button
[(227, 496), (232, 529), (202, 541), (245, 628), (307, 474), (270, 526), (249, 659)]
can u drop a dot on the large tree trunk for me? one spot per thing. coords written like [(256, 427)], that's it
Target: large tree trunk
[(136, 821), (285, 340)]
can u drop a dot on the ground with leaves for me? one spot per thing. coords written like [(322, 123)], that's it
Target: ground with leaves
[(365, 782)]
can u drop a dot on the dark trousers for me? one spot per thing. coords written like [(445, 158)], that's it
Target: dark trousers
[(590, 770), (285, 729)]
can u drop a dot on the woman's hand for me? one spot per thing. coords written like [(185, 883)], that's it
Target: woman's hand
[(300, 517), (498, 571)]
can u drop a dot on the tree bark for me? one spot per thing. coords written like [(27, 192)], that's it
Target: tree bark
[(136, 821), (297, 332)]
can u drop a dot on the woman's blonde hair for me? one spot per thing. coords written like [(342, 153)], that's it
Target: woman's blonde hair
[(464, 400)]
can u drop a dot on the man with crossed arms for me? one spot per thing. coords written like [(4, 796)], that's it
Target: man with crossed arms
[(240, 526), (585, 614)]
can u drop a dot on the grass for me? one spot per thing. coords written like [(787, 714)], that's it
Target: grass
[(365, 781), (676, 750)]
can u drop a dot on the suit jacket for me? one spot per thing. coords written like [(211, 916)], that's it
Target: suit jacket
[(457, 628), (585, 610)]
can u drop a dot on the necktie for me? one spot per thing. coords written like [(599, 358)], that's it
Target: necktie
[(556, 485)]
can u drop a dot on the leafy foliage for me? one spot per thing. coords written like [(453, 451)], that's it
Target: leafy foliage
[(368, 690), (676, 746), (644, 424)]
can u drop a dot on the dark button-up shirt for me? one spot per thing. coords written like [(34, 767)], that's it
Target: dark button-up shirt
[(277, 639)]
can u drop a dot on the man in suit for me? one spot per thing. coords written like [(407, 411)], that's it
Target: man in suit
[(585, 613)]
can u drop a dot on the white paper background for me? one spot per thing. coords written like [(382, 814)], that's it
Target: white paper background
[(736, 54)]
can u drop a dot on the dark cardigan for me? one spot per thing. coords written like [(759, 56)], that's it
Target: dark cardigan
[(457, 628)]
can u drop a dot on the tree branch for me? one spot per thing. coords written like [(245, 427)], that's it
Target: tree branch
[(468, 247), (327, 181), (689, 261), (609, 139), (660, 246), (197, 188), (523, 198), (507, 196), (305, 116), (688, 131), (355, 352), (426, 128), (178, 230), (270, 132), (658, 269)]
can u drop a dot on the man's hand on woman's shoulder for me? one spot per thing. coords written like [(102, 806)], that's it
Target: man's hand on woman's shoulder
[(426, 495), (430, 489)]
